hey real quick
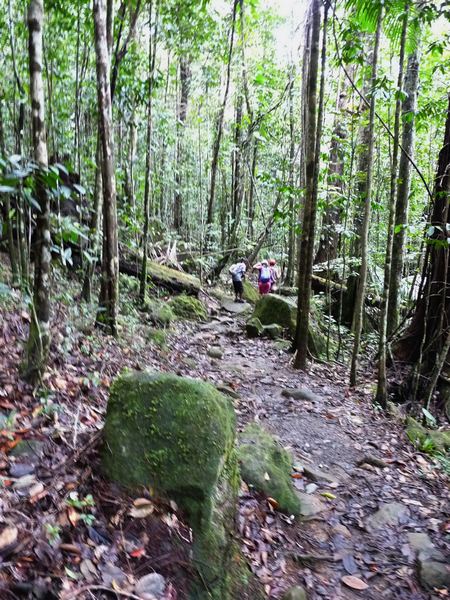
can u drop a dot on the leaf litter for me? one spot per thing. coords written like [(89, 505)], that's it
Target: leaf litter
[(51, 548)]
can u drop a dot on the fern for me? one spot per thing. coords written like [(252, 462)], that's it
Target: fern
[(366, 13)]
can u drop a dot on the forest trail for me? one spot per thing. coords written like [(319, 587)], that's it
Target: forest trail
[(342, 444), (330, 434)]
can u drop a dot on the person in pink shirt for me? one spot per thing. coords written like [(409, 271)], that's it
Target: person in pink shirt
[(264, 277)]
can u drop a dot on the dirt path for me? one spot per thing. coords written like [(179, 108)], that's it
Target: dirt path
[(339, 433)]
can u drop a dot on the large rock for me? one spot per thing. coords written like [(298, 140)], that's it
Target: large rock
[(434, 570), (176, 435), (388, 514), (282, 311), (272, 308), (159, 312), (267, 467), (254, 327), (188, 307), (434, 574)]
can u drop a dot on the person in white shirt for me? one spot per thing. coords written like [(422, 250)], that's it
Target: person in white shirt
[(237, 272)]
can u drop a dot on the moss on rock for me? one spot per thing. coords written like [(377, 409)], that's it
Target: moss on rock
[(177, 435), (250, 292), (158, 311), (172, 278), (427, 440), (267, 467), (254, 327), (272, 308), (188, 307)]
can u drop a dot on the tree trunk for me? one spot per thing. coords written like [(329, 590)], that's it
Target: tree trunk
[(39, 336), (329, 239), (238, 183), (109, 292), (381, 395), (185, 79), (219, 130), (404, 184), (8, 216), (312, 134), (426, 333), (251, 192), (95, 224), (292, 211), (148, 156), (367, 191)]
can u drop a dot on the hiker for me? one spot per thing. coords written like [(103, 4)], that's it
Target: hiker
[(273, 275), (237, 272), (263, 277)]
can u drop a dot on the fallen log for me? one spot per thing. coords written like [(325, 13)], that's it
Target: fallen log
[(166, 277)]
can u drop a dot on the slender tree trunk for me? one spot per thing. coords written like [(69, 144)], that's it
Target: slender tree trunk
[(361, 287), (185, 78), (313, 132), (381, 395), (109, 293), (251, 192), (219, 129), (8, 215), (22, 249), (329, 239), (292, 212), (148, 156), (39, 336), (238, 183), (95, 224), (404, 184)]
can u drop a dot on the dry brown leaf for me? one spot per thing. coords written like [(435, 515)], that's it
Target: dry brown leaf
[(7, 538), (354, 582), (73, 516), (273, 503), (142, 508)]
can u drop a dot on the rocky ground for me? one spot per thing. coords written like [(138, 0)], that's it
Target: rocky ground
[(374, 508), (375, 511)]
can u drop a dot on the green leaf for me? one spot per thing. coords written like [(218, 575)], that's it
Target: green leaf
[(429, 417)]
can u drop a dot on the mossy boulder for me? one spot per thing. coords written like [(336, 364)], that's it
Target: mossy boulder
[(254, 327), (267, 467), (272, 308), (188, 307), (427, 440), (250, 292), (272, 331), (159, 312), (176, 435)]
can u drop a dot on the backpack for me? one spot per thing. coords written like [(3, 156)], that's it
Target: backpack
[(264, 275)]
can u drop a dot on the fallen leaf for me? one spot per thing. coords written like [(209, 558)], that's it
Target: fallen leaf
[(8, 537), (328, 495), (273, 503), (142, 508), (354, 582), (73, 516)]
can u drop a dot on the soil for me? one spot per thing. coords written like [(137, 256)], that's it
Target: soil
[(65, 550)]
